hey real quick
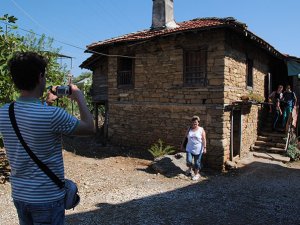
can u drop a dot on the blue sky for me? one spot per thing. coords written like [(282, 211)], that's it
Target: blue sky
[(82, 22)]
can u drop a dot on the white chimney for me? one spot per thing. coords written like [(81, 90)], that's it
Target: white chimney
[(163, 15)]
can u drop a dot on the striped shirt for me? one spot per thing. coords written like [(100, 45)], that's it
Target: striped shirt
[(41, 127)]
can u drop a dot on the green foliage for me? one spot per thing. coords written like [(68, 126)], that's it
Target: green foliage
[(10, 43), (83, 76), (84, 82), (293, 151), (159, 149), (256, 97), (1, 142)]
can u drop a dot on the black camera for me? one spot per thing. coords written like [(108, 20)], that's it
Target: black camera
[(61, 91)]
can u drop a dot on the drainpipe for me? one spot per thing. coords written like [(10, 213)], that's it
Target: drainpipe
[(231, 135)]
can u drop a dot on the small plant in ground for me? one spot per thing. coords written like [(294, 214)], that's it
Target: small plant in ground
[(159, 149), (4, 167), (256, 97), (293, 151)]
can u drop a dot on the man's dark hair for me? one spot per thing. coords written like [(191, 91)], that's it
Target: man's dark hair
[(25, 68)]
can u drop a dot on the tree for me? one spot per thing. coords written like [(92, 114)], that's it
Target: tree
[(11, 42)]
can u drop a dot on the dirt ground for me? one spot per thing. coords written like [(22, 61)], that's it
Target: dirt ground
[(117, 187)]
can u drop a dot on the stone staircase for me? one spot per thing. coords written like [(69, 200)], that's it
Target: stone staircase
[(270, 142)]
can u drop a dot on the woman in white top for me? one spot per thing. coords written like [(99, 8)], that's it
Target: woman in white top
[(196, 146)]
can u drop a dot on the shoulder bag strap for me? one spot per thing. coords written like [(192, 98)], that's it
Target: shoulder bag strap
[(40, 164)]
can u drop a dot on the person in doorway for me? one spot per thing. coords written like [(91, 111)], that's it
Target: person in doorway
[(290, 100), (276, 97), (195, 147), (37, 198)]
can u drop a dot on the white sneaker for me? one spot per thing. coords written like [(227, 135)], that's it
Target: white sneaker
[(196, 177), (189, 172)]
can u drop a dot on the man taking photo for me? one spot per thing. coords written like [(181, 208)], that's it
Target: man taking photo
[(37, 198)]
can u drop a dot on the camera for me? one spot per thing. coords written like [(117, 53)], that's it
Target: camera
[(61, 91)]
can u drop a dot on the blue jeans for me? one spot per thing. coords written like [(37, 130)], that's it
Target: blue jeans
[(286, 114), (276, 118), (37, 214), (197, 160)]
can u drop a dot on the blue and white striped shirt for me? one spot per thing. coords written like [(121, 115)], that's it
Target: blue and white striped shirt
[(41, 127)]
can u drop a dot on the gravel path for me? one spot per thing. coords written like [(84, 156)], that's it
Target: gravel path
[(121, 190)]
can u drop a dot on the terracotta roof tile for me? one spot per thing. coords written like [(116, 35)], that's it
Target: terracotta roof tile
[(195, 24), (183, 26)]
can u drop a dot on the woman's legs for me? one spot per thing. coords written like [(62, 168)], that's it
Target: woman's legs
[(189, 163)]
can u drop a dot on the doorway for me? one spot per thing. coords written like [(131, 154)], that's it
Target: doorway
[(236, 133)]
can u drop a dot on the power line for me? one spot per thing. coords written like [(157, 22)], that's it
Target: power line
[(62, 42), (29, 16), (74, 46)]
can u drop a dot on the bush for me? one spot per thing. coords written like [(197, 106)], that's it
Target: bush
[(158, 149), (293, 151), (256, 97)]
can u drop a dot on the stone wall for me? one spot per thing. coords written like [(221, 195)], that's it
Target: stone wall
[(237, 51), (159, 105)]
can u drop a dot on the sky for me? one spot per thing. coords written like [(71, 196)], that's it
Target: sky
[(74, 24)]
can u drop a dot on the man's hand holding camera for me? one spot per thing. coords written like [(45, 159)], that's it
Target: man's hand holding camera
[(71, 91), (51, 97), (86, 124)]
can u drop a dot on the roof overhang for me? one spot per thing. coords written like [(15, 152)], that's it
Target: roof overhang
[(293, 66)]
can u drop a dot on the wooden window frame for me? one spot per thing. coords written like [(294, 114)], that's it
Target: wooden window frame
[(249, 72), (189, 80), (122, 73)]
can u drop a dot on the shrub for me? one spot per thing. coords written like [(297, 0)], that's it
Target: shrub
[(256, 97), (293, 151), (159, 149)]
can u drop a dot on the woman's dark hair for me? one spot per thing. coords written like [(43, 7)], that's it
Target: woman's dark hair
[(25, 69)]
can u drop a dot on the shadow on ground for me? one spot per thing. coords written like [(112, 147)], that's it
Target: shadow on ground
[(92, 147), (260, 193)]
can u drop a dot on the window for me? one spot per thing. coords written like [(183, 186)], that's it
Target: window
[(125, 72), (195, 67), (249, 72)]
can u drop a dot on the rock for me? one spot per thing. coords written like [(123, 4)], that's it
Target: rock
[(272, 156), (229, 165), (170, 165)]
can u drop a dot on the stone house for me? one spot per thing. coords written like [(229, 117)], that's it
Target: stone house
[(153, 81)]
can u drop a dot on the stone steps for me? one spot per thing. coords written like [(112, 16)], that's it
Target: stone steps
[(268, 149), (271, 156), (269, 144), (273, 134)]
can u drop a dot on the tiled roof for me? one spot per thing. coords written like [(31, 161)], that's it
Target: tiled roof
[(183, 26), (191, 25)]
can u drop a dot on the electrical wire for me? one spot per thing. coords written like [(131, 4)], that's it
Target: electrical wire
[(80, 48), (29, 16), (62, 42)]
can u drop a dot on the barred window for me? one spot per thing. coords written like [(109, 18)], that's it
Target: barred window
[(125, 72), (195, 67), (249, 74)]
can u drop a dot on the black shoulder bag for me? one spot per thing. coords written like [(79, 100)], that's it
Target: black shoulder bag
[(185, 140), (72, 198)]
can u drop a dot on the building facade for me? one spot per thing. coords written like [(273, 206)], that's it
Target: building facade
[(152, 82)]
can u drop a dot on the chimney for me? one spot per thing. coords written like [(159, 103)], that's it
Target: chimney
[(163, 15)]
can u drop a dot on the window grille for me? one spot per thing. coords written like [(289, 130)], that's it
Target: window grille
[(195, 67)]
